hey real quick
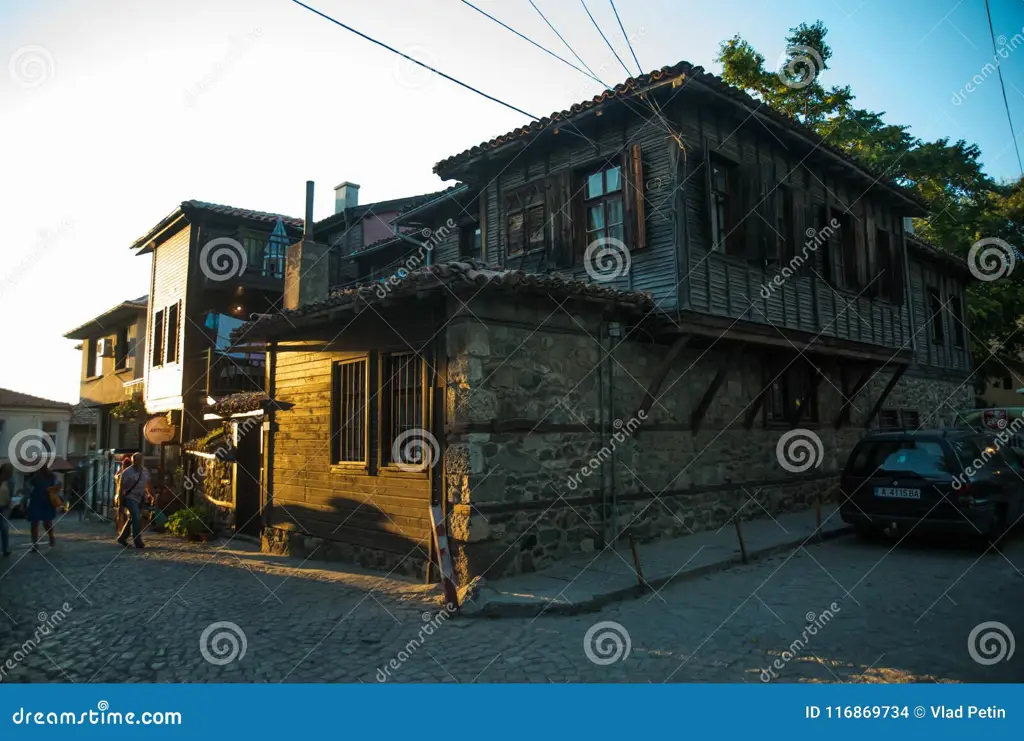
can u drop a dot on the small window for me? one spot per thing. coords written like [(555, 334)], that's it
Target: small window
[(911, 419), (405, 441), (793, 395), (50, 430), (937, 331), (885, 276), (122, 349), (349, 412), (98, 367), (889, 419), (90, 358), (720, 179), (959, 330), (173, 332), (602, 203), (470, 244), (158, 338)]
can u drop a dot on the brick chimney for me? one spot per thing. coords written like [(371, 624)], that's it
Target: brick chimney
[(346, 196), (306, 276)]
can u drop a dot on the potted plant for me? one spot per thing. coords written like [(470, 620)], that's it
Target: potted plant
[(191, 523), (131, 409)]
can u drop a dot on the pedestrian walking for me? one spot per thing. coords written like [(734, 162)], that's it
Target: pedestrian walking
[(6, 472), (43, 501), (134, 485)]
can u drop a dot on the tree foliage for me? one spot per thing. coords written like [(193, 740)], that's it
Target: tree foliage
[(965, 204)]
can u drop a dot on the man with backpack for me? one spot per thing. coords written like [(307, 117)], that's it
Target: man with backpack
[(134, 486)]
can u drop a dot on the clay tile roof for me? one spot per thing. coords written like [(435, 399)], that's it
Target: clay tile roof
[(934, 253), (10, 398), (242, 213), (632, 87), (453, 276), (83, 414), (240, 403)]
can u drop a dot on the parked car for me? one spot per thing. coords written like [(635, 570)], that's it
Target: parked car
[(955, 481)]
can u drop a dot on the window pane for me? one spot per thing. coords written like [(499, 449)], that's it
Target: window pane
[(614, 211), (515, 232), (719, 180), (615, 232), (612, 179), (536, 224), (595, 218), (595, 185)]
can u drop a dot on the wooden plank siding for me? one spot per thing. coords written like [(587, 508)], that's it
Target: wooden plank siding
[(367, 505), (165, 383)]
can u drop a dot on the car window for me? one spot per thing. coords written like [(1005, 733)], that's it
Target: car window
[(889, 456)]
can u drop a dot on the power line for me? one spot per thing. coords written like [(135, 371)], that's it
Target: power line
[(606, 41), (528, 39), (626, 36), (415, 61), (1006, 103)]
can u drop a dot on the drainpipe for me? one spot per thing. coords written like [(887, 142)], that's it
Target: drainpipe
[(270, 421), (605, 527)]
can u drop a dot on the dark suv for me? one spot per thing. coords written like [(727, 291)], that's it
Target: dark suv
[(960, 481)]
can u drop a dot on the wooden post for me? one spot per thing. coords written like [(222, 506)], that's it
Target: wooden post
[(739, 536), (636, 564)]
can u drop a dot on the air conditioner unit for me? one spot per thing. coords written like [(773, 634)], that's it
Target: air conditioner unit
[(105, 348)]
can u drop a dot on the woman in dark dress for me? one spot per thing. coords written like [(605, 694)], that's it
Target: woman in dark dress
[(40, 508)]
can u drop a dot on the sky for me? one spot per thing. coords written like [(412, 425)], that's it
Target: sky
[(112, 113)]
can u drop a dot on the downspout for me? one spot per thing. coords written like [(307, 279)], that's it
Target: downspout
[(614, 332), (605, 519), (268, 436)]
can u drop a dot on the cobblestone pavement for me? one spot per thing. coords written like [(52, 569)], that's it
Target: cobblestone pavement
[(902, 614)]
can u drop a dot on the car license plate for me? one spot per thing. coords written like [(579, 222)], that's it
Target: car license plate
[(897, 492)]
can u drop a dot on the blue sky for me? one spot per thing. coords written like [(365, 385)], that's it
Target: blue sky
[(138, 106)]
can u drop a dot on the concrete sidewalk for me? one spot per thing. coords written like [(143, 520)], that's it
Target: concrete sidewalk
[(587, 582)]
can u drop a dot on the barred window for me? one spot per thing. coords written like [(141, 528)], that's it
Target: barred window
[(350, 411), (404, 399)]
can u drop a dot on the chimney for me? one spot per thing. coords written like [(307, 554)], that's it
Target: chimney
[(346, 196), (305, 268)]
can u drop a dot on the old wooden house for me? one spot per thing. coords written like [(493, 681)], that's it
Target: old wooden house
[(607, 326)]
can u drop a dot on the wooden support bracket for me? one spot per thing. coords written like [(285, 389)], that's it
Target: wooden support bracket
[(844, 412), (885, 395), (661, 373), (716, 383)]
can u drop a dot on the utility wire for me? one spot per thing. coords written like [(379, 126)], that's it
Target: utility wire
[(1002, 85), (415, 61), (528, 39), (626, 37), (606, 41)]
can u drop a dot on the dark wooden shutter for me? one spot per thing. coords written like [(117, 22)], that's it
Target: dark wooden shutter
[(829, 246), (737, 225), (897, 249), (633, 198), (766, 244), (558, 192), (794, 242)]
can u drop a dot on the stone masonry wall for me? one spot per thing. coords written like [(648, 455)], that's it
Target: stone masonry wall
[(538, 487)]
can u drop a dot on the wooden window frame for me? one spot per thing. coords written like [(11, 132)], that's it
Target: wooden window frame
[(527, 202), (156, 351), (362, 427), (385, 424), (782, 235), (791, 388), (471, 240), (172, 349), (123, 350), (838, 249), (602, 200), (885, 285), (936, 328), (722, 204)]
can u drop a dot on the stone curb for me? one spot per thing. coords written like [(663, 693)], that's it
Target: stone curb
[(535, 607)]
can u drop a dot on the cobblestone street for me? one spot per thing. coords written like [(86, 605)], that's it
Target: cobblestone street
[(903, 615)]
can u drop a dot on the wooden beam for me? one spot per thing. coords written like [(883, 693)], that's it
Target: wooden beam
[(661, 373), (712, 390), (885, 394), (844, 412), (755, 407)]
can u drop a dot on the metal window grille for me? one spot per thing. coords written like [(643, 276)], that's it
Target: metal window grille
[(403, 422), (350, 410)]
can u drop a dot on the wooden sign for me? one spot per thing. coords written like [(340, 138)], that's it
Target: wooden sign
[(159, 431)]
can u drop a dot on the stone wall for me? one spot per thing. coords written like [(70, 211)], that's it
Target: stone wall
[(569, 465), (299, 545)]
